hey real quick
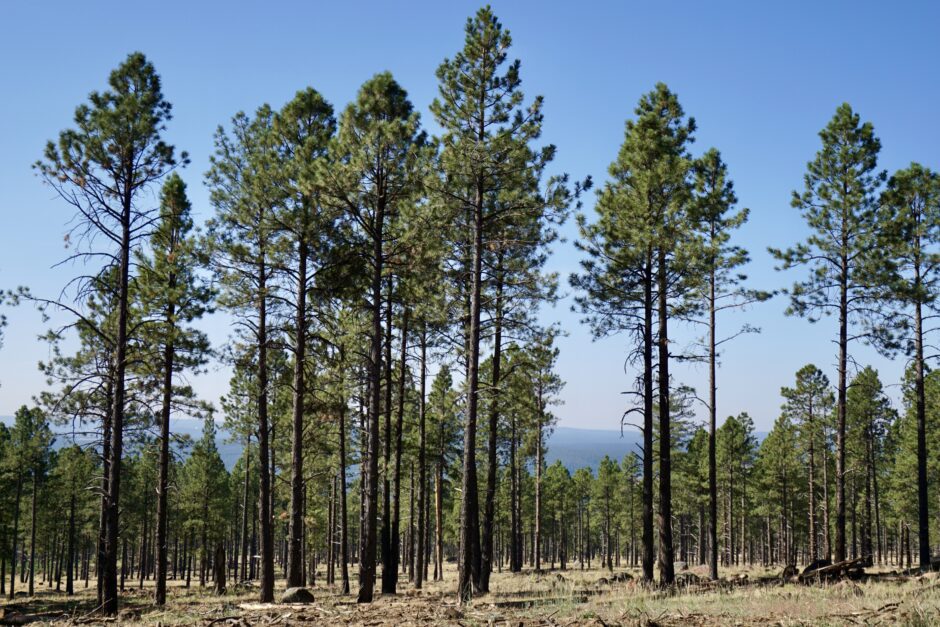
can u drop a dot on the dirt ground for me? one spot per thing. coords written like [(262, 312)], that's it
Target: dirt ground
[(555, 598)]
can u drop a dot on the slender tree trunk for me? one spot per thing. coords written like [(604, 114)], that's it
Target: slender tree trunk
[(538, 484), (648, 546), (32, 532), (344, 520), (370, 480), (295, 558), (489, 509), (811, 492), (841, 400), (69, 579), (399, 420), (245, 556), (422, 470), (163, 478), (923, 517), (469, 560), (110, 552), (667, 574), (266, 477), (712, 425), (16, 531)]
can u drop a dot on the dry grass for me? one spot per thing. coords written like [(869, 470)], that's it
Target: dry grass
[(574, 597)]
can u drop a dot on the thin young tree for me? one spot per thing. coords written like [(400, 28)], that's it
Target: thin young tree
[(807, 405), (839, 204), (714, 211), (174, 295)]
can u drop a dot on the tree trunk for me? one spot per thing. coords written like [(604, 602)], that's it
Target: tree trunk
[(266, 478), (489, 509), (469, 559), (648, 544), (399, 420), (370, 480), (422, 470), (16, 531), (712, 426), (295, 557), (667, 574)]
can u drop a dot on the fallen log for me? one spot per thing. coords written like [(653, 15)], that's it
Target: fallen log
[(852, 568)]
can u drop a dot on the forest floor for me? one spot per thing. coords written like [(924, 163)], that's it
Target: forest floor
[(573, 597)]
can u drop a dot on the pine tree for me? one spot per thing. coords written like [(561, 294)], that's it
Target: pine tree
[(911, 204), (640, 253), (485, 152), (839, 205), (175, 296), (713, 210), (103, 169), (205, 494), (807, 405), (242, 239), (378, 160), (303, 129)]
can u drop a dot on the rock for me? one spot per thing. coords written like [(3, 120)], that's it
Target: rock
[(297, 595)]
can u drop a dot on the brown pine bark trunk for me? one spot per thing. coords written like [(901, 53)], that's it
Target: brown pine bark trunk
[(666, 568), (266, 477), (370, 480), (295, 558), (489, 509), (422, 459), (344, 520), (399, 423), (469, 560), (648, 307), (712, 424), (163, 479)]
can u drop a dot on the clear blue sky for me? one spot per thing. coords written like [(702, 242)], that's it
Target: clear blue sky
[(760, 78)]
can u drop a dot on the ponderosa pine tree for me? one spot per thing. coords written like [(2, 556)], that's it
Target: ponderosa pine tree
[(485, 150), (911, 205), (378, 161), (807, 406), (869, 416), (303, 129), (605, 495), (737, 447), (839, 204), (243, 243), (714, 211), (204, 495), (31, 440), (174, 295), (103, 169), (639, 256)]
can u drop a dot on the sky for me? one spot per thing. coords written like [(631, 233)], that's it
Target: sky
[(760, 78)]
